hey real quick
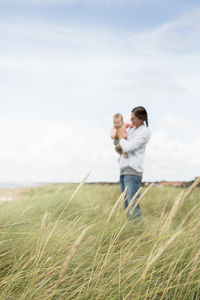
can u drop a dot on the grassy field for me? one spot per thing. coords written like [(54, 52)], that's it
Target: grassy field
[(75, 243)]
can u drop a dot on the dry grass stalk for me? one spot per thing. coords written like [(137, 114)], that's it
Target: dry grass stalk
[(120, 206), (190, 212), (194, 259), (120, 199), (79, 186), (143, 195), (44, 221), (172, 213), (5, 253), (133, 199), (160, 252), (162, 220), (194, 266), (71, 253), (190, 190), (196, 226), (139, 199), (67, 261), (131, 251), (95, 260), (16, 224), (58, 220), (178, 203), (110, 247), (74, 193), (153, 260), (42, 245), (25, 210)]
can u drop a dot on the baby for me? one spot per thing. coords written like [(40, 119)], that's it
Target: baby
[(119, 123)]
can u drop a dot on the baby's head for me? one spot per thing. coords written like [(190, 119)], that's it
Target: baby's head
[(118, 121)]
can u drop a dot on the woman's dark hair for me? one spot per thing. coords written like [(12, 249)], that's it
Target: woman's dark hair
[(141, 113)]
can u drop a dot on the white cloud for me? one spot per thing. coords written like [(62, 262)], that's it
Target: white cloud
[(58, 151), (34, 38), (179, 36), (178, 124), (171, 158), (78, 85), (49, 151)]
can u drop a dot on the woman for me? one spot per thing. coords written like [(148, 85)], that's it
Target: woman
[(131, 167)]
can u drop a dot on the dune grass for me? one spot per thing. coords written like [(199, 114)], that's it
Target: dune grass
[(76, 243)]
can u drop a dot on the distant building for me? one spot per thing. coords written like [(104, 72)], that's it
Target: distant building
[(173, 183), (170, 183)]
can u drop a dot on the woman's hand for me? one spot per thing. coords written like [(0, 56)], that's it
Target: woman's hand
[(119, 133)]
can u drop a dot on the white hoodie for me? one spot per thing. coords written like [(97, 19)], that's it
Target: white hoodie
[(134, 146)]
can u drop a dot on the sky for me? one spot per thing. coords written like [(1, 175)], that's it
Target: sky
[(67, 66)]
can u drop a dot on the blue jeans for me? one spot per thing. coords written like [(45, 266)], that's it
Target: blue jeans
[(132, 182)]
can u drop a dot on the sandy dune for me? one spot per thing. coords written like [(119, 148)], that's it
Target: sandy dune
[(11, 194)]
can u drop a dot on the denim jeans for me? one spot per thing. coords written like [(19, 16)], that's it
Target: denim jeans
[(132, 182)]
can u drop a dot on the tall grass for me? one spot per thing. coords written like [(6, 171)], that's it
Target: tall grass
[(74, 242)]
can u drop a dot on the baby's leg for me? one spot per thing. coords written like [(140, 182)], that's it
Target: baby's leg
[(116, 141), (118, 150), (117, 146)]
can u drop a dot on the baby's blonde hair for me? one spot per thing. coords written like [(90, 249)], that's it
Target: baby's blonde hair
[(118, 116)]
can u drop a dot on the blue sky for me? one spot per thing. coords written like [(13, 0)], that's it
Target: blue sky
[(66, 67), (119, 15)]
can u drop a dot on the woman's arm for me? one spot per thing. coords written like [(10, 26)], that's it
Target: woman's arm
[(135, 143)]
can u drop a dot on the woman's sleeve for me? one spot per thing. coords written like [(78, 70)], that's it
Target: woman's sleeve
[(136, 142)]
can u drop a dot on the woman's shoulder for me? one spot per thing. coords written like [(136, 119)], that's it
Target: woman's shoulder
[(145, 128), (144, 131)]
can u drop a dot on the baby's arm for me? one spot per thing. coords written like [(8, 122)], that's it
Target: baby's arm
[(113, 133), (128, 125), (124, 133)]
